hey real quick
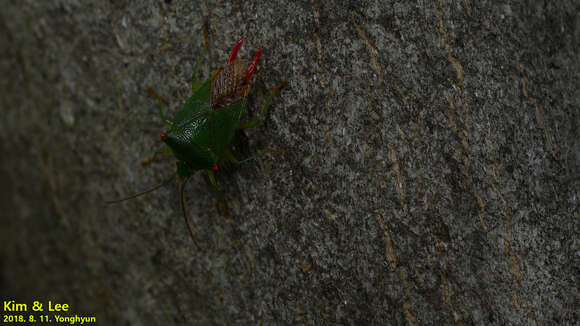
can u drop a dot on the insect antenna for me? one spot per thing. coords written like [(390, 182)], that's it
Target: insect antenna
[(184, 211), (162, 184)]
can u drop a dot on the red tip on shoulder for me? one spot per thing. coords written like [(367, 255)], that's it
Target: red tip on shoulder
[(163, 136), (214, 168)]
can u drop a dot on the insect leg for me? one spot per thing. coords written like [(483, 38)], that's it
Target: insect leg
[(211, 177), (165, 150), (161, 101), (194, 83), (253, 123), (222, 205), (230, 156)]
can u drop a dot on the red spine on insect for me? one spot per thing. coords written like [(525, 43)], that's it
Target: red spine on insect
[(254, 64), (235, 50)]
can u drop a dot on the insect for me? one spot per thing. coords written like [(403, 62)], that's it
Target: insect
[(201, 134)]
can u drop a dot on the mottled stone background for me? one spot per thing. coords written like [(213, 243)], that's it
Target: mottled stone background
[(429, 175)]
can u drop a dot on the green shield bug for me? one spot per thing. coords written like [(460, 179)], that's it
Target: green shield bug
[(201, 134)]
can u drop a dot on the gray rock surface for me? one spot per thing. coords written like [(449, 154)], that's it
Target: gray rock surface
[(429, 175)]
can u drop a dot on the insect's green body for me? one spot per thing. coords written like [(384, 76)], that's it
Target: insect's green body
[(203, 129), (200, 134)]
